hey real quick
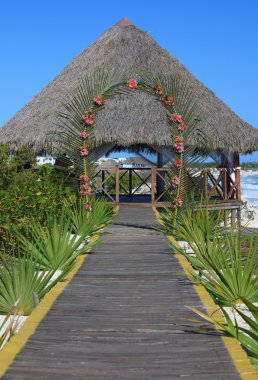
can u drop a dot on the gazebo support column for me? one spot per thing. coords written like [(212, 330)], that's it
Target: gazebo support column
[(160, 183), (236, 214), (230, 161)]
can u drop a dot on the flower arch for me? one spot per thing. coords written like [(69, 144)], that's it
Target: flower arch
[(180, 132)]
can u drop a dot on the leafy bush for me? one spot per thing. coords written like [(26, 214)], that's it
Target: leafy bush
[(33, 194), (12, 163)]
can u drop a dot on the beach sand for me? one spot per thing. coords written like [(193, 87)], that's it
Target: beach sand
[(249, 215)]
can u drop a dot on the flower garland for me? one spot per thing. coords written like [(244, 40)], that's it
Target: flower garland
[(87, 121), (178, 143)]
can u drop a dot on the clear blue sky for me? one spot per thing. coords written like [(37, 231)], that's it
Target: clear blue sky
[(216, 40)]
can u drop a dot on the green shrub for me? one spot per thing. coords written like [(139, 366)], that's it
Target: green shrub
[(33, 194), (13, 163)]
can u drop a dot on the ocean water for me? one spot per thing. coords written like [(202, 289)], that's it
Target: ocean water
[(249, 186)]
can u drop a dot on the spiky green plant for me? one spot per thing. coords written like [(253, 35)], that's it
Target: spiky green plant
[(225, 273), (193, 214), (248, 337), (217, 257), (81, 223), (19, 282), (53, 247)]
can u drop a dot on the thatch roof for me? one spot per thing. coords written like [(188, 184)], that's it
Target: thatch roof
[(126, 119)]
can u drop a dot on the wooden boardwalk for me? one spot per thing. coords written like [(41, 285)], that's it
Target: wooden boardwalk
[(124, 316)]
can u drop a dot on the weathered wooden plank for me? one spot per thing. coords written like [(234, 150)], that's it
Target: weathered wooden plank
[(125, 316)]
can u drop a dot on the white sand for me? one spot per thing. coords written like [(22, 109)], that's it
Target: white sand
[(53, 278), (87, 239), (236, 318), (249, 214), (16, 321)]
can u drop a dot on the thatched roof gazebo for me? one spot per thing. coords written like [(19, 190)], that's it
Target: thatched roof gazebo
[(122, 122), (124, 45)]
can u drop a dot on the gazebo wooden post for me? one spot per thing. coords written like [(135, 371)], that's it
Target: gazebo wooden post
[(205, 180), (117, 184), (160, 183), (238, 188), (237, 176), (130, 182), (152, 186), (103, 180)]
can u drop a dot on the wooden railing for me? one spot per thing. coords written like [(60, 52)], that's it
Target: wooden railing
[(226, 185), (222, 184)]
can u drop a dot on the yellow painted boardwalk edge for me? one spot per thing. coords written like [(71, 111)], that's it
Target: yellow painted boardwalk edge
[(236, 352), (18, 341)]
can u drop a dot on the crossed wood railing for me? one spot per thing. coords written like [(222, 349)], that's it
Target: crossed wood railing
[(222, 184)]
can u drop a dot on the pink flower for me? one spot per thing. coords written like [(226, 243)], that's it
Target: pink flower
[(85, 190), (84, 151), (174, 182), (89, 120), (98, 99), (87, 206), (83, 178), (179, 139), (159, 90), (178, 163), (132, 84), (168, 100), (179, 202), (84, 135), (179, 148), (182, 126), (176, 118)]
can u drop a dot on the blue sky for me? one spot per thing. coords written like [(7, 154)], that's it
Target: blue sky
[(215, 40)]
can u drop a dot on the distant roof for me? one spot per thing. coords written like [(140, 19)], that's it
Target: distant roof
[(127, 120)]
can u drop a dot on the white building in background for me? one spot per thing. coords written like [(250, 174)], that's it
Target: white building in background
[(45, 159)]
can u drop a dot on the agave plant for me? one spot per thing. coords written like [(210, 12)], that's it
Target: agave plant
[(20, 282), (53, 247), (84, 224), (193, 214), (248, 337), (217, 257), (225, 273)]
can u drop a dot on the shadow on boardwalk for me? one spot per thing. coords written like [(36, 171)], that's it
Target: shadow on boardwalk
[(124, 316)]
